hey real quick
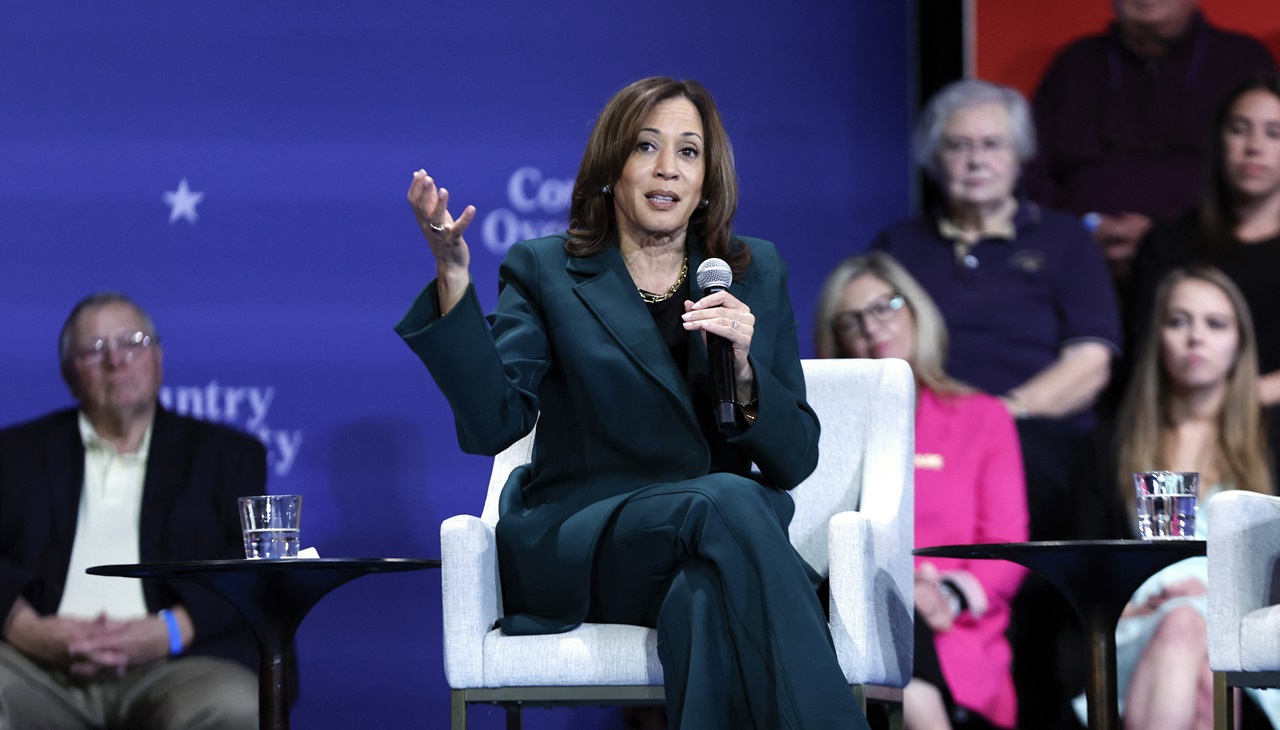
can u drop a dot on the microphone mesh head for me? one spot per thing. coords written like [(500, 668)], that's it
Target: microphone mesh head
[(714, 272)]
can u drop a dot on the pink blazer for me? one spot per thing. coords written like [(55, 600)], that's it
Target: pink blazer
[(970, 488)]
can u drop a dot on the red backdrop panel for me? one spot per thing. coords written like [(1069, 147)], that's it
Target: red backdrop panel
[(1014, 40)]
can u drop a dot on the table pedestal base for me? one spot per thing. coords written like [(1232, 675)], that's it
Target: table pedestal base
[(1097, 577)]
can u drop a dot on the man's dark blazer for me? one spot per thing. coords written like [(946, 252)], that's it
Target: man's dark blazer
[(573, 347), (195, 472)]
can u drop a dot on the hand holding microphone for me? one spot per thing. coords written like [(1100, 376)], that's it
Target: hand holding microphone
[(728, 325)]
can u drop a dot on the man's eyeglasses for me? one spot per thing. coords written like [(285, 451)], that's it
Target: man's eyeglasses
[(853, 322), (129, 344)]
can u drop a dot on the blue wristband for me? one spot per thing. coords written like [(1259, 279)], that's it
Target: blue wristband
[(175, 633)]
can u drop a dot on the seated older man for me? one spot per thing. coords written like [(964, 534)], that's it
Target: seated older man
[(1123, 118), (120, 480)]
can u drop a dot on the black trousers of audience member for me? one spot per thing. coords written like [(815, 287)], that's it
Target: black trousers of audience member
[(927, 668), (1050, 660), (741, 634)]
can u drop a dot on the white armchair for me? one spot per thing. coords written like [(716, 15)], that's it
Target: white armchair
[(853, 521), (1244, 596)]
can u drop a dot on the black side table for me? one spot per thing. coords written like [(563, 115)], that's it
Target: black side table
[(1097, 577), (273, 596)]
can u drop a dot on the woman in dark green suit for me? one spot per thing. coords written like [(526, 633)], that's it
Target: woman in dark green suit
[(637, 507)]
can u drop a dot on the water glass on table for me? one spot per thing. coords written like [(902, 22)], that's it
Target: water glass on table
[(271, 525), (1167, 504)]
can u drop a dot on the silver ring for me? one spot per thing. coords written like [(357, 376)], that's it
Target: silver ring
[(434, 227), (735, 324)]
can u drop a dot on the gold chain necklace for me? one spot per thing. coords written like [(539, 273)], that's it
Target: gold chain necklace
[(651, 298)]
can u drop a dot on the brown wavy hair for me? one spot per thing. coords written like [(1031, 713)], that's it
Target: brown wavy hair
[(613, 138), (1240, 453)]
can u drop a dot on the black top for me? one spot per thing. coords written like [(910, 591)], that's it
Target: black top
[(666, 315), (680, 342), (1254, 267)]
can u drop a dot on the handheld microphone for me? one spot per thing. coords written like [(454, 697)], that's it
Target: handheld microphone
[(715, 275)]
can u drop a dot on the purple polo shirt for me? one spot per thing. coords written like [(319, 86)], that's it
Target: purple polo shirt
[(1119, 133), (1011, 305)]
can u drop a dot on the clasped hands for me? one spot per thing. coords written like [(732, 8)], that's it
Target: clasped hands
[(931, 599), (88, 649)]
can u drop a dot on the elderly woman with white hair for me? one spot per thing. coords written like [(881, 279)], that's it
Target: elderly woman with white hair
[(1033, 320), (1024, 291)]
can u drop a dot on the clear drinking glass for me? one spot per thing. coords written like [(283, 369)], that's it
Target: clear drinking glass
[(1167, 504), (271, 525)]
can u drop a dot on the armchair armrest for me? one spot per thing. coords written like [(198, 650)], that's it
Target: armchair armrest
[(871, 614), (1243, 547), (472, 597)]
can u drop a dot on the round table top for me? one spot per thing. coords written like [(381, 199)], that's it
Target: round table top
[(189, 567), (1179, 546)]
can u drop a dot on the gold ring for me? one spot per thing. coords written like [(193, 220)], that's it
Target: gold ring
[(434, 227)]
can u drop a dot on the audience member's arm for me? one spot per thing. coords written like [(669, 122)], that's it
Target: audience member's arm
[(1001, 494), (1269, 388), (1067, 386), (43, 638)]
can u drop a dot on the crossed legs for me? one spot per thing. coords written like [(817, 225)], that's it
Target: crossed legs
[(741, 634)]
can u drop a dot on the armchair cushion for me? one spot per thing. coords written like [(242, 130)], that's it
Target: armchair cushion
[(592, 654), (1260, 640), (1243, 550)]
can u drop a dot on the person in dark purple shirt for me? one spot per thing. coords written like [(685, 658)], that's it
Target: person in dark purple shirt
[(1032, 315), (1123, 117), (1024, 292)]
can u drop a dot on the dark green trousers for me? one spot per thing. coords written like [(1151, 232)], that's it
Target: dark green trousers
[(741, 635)]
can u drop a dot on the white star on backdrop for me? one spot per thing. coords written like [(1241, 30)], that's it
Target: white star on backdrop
[(182, 203)]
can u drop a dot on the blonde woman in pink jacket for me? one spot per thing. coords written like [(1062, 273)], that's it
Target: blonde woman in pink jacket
[(969, 488)]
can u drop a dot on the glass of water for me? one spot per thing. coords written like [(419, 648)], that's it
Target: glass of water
[(1167, 504), (271, 525)]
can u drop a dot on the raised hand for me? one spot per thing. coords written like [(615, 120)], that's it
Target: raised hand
[(444, 234)]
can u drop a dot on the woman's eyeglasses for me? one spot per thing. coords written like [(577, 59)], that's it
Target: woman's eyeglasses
[(854, 321)]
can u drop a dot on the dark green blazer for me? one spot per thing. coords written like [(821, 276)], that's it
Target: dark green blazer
[(572, 347)]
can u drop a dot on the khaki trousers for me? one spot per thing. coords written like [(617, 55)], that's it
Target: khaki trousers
[(186, 693)]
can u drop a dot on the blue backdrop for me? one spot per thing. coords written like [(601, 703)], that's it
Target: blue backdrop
[(240, 168)]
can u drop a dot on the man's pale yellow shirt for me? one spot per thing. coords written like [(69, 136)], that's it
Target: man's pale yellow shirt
[(106, 530)]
